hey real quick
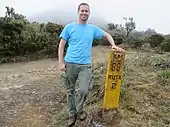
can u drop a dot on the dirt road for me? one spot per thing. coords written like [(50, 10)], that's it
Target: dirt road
[(31, 94)]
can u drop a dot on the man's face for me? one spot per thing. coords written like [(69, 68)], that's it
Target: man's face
[(84, 12)]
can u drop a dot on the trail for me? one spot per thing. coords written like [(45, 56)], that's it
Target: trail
[(32, 93)]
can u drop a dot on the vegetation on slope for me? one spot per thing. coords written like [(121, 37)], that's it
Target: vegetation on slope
[(19, 37)]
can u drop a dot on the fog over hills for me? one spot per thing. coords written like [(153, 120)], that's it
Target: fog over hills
[(64, 17)]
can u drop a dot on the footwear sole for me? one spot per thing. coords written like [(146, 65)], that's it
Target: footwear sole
[(71, 124), (84, 118)]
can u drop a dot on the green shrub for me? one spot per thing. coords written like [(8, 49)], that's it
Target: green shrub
[(137, 42), (118, 40), (164, 74), (156, 40), (167, 37), (165, 46), (19, 37), (95, 43)]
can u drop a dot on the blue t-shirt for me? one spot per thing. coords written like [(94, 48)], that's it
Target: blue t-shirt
[(79, 38)]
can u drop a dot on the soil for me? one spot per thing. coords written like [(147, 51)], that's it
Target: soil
[(32, 93)]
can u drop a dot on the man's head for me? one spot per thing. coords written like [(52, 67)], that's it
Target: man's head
[(83, 11)]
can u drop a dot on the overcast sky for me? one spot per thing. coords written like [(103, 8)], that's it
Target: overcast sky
[(146, 13)]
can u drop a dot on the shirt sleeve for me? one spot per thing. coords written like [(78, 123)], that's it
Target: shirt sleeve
[(98, 33), (65, 33)]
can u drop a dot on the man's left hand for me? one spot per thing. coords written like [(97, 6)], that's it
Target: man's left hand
[(118, 48)]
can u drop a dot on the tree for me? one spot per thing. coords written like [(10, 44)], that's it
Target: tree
[(19, 37), (129, 26), (165, 45), (122, 32), (10, 13)]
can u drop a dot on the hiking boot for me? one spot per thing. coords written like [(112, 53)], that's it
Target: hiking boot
[(72, 121), (82, 116)]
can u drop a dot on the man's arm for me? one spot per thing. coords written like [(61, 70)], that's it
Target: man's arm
[(111, 41), (109, 38), (61, 54), (99, 34), (64, 38)]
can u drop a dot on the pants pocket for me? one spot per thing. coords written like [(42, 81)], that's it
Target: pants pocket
[(64, 78)]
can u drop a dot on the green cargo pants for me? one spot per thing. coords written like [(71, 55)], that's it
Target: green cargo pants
[(82, 74)]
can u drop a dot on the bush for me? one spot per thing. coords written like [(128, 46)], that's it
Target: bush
[(19, 37), (156, 40), (137, 42), (164, 74), (165, 46), (118, 40), (167, 36), (95, 43), (145, 47)]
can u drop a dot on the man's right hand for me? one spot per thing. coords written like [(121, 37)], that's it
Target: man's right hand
[(62, 67)]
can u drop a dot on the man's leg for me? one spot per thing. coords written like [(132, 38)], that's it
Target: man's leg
[(85, 80), (70, 78)]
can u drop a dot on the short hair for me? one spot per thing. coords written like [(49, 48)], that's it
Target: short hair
[(82, 4)]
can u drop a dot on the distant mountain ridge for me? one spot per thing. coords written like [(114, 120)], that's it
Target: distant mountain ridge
[(64, 17)]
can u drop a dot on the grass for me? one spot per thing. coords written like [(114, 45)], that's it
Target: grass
[(164, 74), (144, 97)]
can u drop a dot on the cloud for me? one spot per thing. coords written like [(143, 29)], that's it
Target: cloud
[(147, 13)]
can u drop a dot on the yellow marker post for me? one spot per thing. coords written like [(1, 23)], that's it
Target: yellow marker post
[(113, 79)]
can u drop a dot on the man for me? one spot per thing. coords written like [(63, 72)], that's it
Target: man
[(77, 62)]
